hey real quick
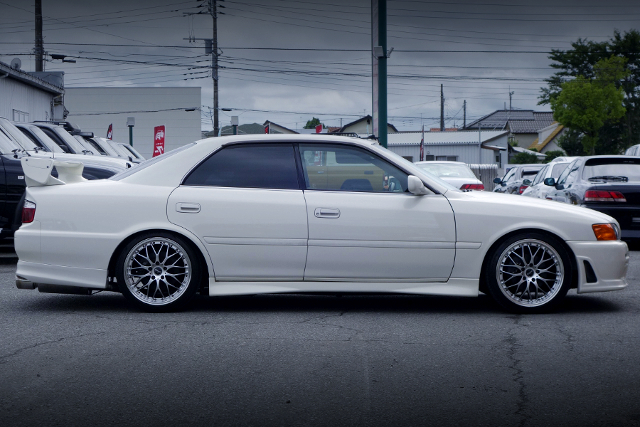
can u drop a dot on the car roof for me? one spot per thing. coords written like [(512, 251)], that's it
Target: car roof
[(439, 162)]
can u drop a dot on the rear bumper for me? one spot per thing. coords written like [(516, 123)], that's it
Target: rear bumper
[(609, 260), (30, 275)]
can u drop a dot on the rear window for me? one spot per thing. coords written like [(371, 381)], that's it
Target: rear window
[(612, 169)]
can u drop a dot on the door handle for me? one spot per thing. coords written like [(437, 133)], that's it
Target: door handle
[(188, 207), (326, 213)]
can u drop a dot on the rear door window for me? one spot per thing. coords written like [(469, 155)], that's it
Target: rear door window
[(248, 166)]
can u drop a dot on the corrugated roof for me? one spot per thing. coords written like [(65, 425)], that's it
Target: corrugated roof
[(518, 121), (442, 138), (30, 79)]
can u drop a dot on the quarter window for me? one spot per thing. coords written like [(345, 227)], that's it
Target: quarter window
[(346, 168), (248, 166)]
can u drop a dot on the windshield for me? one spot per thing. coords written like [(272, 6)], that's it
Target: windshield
[(447, 170), (13, 133), (557, 169), (44, 139), (6, 144), (612, 169), (152, 161), (122, 152), (133, 152)]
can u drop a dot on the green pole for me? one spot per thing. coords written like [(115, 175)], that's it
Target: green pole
[(131, 136), (382, 73)]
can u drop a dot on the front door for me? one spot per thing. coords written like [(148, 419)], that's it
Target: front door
[(365, 226)]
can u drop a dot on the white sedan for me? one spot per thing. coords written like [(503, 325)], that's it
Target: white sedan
[(302, 213)]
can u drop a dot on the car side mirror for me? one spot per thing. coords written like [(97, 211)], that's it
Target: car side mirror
[(416, 186), (497, 181), (551, 182), (526, 182)]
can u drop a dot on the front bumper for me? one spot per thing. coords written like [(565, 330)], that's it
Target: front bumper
[(609, 261)]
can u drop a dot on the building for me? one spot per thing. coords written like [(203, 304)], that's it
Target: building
[(472, 147), (548, 138), (27, 97), (522, 125), (93, 109), (363, 126)]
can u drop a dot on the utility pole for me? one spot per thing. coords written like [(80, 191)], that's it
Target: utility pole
[(379, 69), (214, 58), (441, 108), (39, 49), (510, 95), (464, 114), (211, 46)]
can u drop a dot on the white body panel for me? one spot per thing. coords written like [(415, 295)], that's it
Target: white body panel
[(379, 236), (245, 243), (256, 240)]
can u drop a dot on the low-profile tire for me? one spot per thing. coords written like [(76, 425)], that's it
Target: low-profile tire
[(158, 272), (529, 273)]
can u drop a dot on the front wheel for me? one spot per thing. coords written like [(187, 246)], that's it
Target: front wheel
[(529, 273), (158, 272)]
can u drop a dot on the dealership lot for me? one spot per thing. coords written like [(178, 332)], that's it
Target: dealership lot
[(318, 360)]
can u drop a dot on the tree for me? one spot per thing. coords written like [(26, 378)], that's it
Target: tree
[(552, 154), (616, 135), (523, 158), (311, 124), (571, 143), (585, 104)]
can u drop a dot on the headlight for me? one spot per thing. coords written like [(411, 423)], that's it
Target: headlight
[(606, 231)]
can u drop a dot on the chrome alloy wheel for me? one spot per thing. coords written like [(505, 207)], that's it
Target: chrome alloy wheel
[(530, 273), (157, 271)]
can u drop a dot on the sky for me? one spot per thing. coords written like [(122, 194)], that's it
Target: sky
[(290, 60)]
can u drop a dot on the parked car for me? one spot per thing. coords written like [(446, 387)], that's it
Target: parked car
[(303, 213), (609, 184), (41, 137), (537, 188), (13, 146), (457, 174), (513, 180), (125, 151), (634, 150)]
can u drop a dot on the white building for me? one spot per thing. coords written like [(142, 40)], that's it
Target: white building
[(93, 109), (27, 97), (472, 147)]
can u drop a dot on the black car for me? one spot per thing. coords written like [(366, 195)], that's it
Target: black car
[(12, 182), (513, 180), (609, 184)]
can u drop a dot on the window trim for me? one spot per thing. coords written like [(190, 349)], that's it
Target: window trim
[(245, 144), (301, 182)]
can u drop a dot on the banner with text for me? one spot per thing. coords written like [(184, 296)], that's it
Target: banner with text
[(158, 140)]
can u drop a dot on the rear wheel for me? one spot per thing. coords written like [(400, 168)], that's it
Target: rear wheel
[(529, 273), (158, 272)]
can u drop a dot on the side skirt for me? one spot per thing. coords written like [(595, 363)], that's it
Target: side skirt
[(452, 287)]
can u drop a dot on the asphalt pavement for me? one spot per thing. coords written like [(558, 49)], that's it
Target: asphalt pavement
[(318, 360)]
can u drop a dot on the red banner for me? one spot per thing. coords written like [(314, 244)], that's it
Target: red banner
[(158, 140), (319, 129), (266, 129), (110, 132)]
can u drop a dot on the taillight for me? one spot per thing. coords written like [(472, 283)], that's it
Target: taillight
[(472, 187), (28, 212), (603, 196), (522, 188)]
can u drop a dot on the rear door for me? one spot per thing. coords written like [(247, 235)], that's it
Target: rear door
[(245, 204)]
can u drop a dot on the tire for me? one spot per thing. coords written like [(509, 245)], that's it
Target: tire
[(529, 273), (158, 272)]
